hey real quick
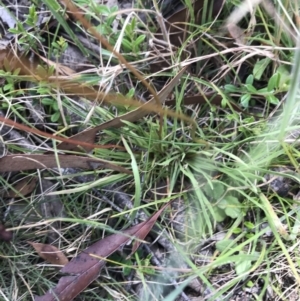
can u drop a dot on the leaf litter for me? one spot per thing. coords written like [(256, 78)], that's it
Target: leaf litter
[(50, 253), (85, 267), (19, 162)]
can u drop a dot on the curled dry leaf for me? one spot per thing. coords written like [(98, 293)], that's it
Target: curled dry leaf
[(85, 268), (50, 253)]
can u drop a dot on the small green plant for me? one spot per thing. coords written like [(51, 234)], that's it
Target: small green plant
[(11, 78), (29, 37), (32, 18), (53, 106), (279, 82), (132, 42), (225, 205), (248, 228), (59, 47), (9, 90), (113, 29)]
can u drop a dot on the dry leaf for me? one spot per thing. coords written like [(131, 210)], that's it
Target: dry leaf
[(21, 188), (27, 162), (50, 253), (84, 268)]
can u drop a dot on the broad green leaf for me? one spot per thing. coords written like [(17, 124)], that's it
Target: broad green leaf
[(260, 67), (242, 266), (249, 80), (139, 40), (126, 268), (250, 88), (245, 100), (220, 214), (127, 44), (237, 231), (233, 208), (223, 203), (285, 77), (224, 244), (47, 101), (233, 212), (214, 192), (272, 99), (249, 225), (273, 82), (55, 106), (103, 9), (55, 117), (231, 88), (130, 93)]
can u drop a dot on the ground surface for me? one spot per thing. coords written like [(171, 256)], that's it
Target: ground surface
[(191, 106)]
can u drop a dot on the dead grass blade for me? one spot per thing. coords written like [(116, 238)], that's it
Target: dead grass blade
[(26, 162), (85, 267), (50, 253)]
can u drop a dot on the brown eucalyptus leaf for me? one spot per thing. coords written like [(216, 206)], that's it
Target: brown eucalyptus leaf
[(50, 253), (28, 129), (26, 162), (89, 135), (21, 188), (85, 267)]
